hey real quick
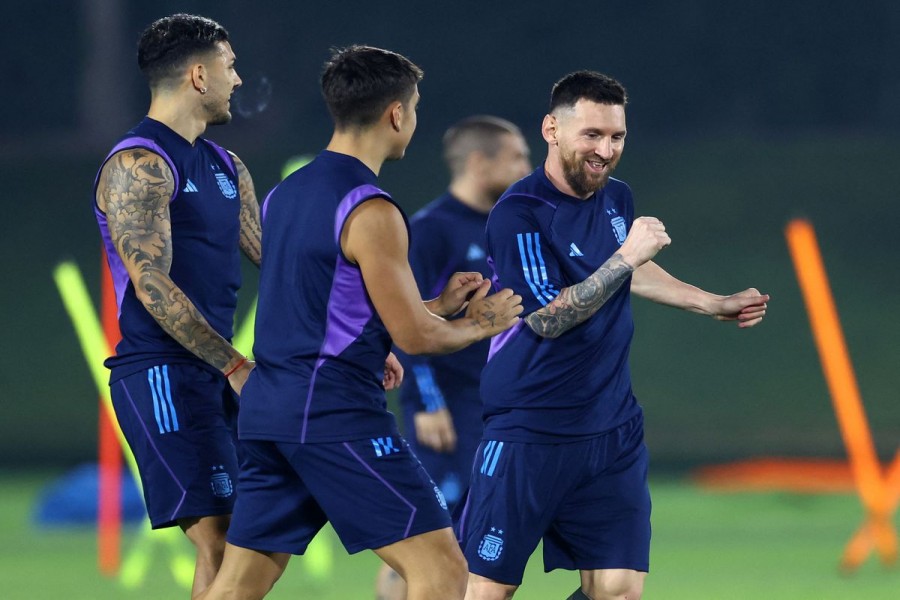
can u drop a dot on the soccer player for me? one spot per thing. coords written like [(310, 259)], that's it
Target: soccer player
[(175, 210), (335, 289), (441, 404), (563, 455)]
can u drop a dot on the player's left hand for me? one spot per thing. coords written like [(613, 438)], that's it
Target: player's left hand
[(457, 292), (747, 308), (393, 372)]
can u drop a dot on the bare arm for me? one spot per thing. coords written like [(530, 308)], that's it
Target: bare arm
[(652, 282), (375, 238), (134, 191), (251, 231), (575, 304)]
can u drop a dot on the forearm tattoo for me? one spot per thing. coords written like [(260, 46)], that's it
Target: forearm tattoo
[(251, 231), (575, 304), (135, 193)]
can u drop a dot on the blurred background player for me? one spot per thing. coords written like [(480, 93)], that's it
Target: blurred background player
[(563, 457), (440, 399), (175, 210), (318, 444)]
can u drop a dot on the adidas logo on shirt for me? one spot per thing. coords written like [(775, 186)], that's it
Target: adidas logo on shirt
[(574, 251), (190, 187)]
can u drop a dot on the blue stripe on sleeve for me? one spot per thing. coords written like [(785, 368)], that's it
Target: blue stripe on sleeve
[(428, 389)]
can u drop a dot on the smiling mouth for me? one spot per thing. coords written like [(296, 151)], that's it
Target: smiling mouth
[(597, 166)]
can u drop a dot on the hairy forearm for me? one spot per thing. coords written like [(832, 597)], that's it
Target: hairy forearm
[(575, 304), (178, 317)]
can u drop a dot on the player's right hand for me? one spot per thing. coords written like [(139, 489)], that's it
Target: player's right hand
[(239, 377), (647, 237), (495, 313)]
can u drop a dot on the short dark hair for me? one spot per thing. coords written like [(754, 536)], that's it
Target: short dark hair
[(359, 82), (168, 42), (587, 85), (478, 133)]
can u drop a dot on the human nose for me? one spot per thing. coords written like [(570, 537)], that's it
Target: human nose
[(604, 148), (237, 80)]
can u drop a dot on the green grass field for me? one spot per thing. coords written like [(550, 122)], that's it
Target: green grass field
[(706, 546)]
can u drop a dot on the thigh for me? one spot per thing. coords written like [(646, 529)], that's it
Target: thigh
[(177, 421), (374, 491), (513, 497), (604, 523), (274, 511)]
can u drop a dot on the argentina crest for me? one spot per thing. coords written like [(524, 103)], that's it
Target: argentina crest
[(619, 229), (491, 546), (226, 186)]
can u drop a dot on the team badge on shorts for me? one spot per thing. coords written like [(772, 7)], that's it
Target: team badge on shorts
[(491, 545), (226, 186), (221, 483)]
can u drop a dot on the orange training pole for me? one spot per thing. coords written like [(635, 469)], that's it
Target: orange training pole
[(109, 497), (841, 381)]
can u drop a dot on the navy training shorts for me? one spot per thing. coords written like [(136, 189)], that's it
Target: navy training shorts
[(589, 501), (179, 420)]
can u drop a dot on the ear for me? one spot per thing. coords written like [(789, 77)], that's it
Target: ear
[(396, 115), (198, 77), (550, 129)]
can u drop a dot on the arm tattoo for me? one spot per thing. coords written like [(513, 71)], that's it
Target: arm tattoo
[(135, 191), (251, 231), (575, 304)]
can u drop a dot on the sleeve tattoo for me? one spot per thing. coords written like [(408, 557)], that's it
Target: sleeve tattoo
[(251, 231), (135, 190), (575, 304)]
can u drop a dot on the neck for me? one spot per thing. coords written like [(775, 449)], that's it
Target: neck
[(364, 146), (472, 194), (178, 115)]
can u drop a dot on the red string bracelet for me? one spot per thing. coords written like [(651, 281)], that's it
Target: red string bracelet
[(231, 371)]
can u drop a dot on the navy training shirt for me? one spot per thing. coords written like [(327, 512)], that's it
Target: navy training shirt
[(447, 237), (538, 389), (320, 345), (206, 262)]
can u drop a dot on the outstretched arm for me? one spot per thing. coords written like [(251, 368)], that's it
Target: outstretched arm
[(652, 282), (134, 191), (251, 231), (375, 238), (575, 304)]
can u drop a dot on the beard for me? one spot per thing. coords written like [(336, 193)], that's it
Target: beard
[(217, 111), (583, 182)]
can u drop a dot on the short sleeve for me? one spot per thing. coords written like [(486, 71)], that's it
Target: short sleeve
[(521, 255)]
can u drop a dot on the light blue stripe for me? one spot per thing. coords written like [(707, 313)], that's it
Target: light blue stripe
[(162, 407), (545, 283), (155, 400), (526, 269), (428, 389), (487, 455), (496, 458), (540, 272), (377, 447), (169, 398)]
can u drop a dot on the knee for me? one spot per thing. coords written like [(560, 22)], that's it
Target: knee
[(448, 580), (621, 585)]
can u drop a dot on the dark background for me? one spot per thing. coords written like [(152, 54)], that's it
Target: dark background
[(741, 117)]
